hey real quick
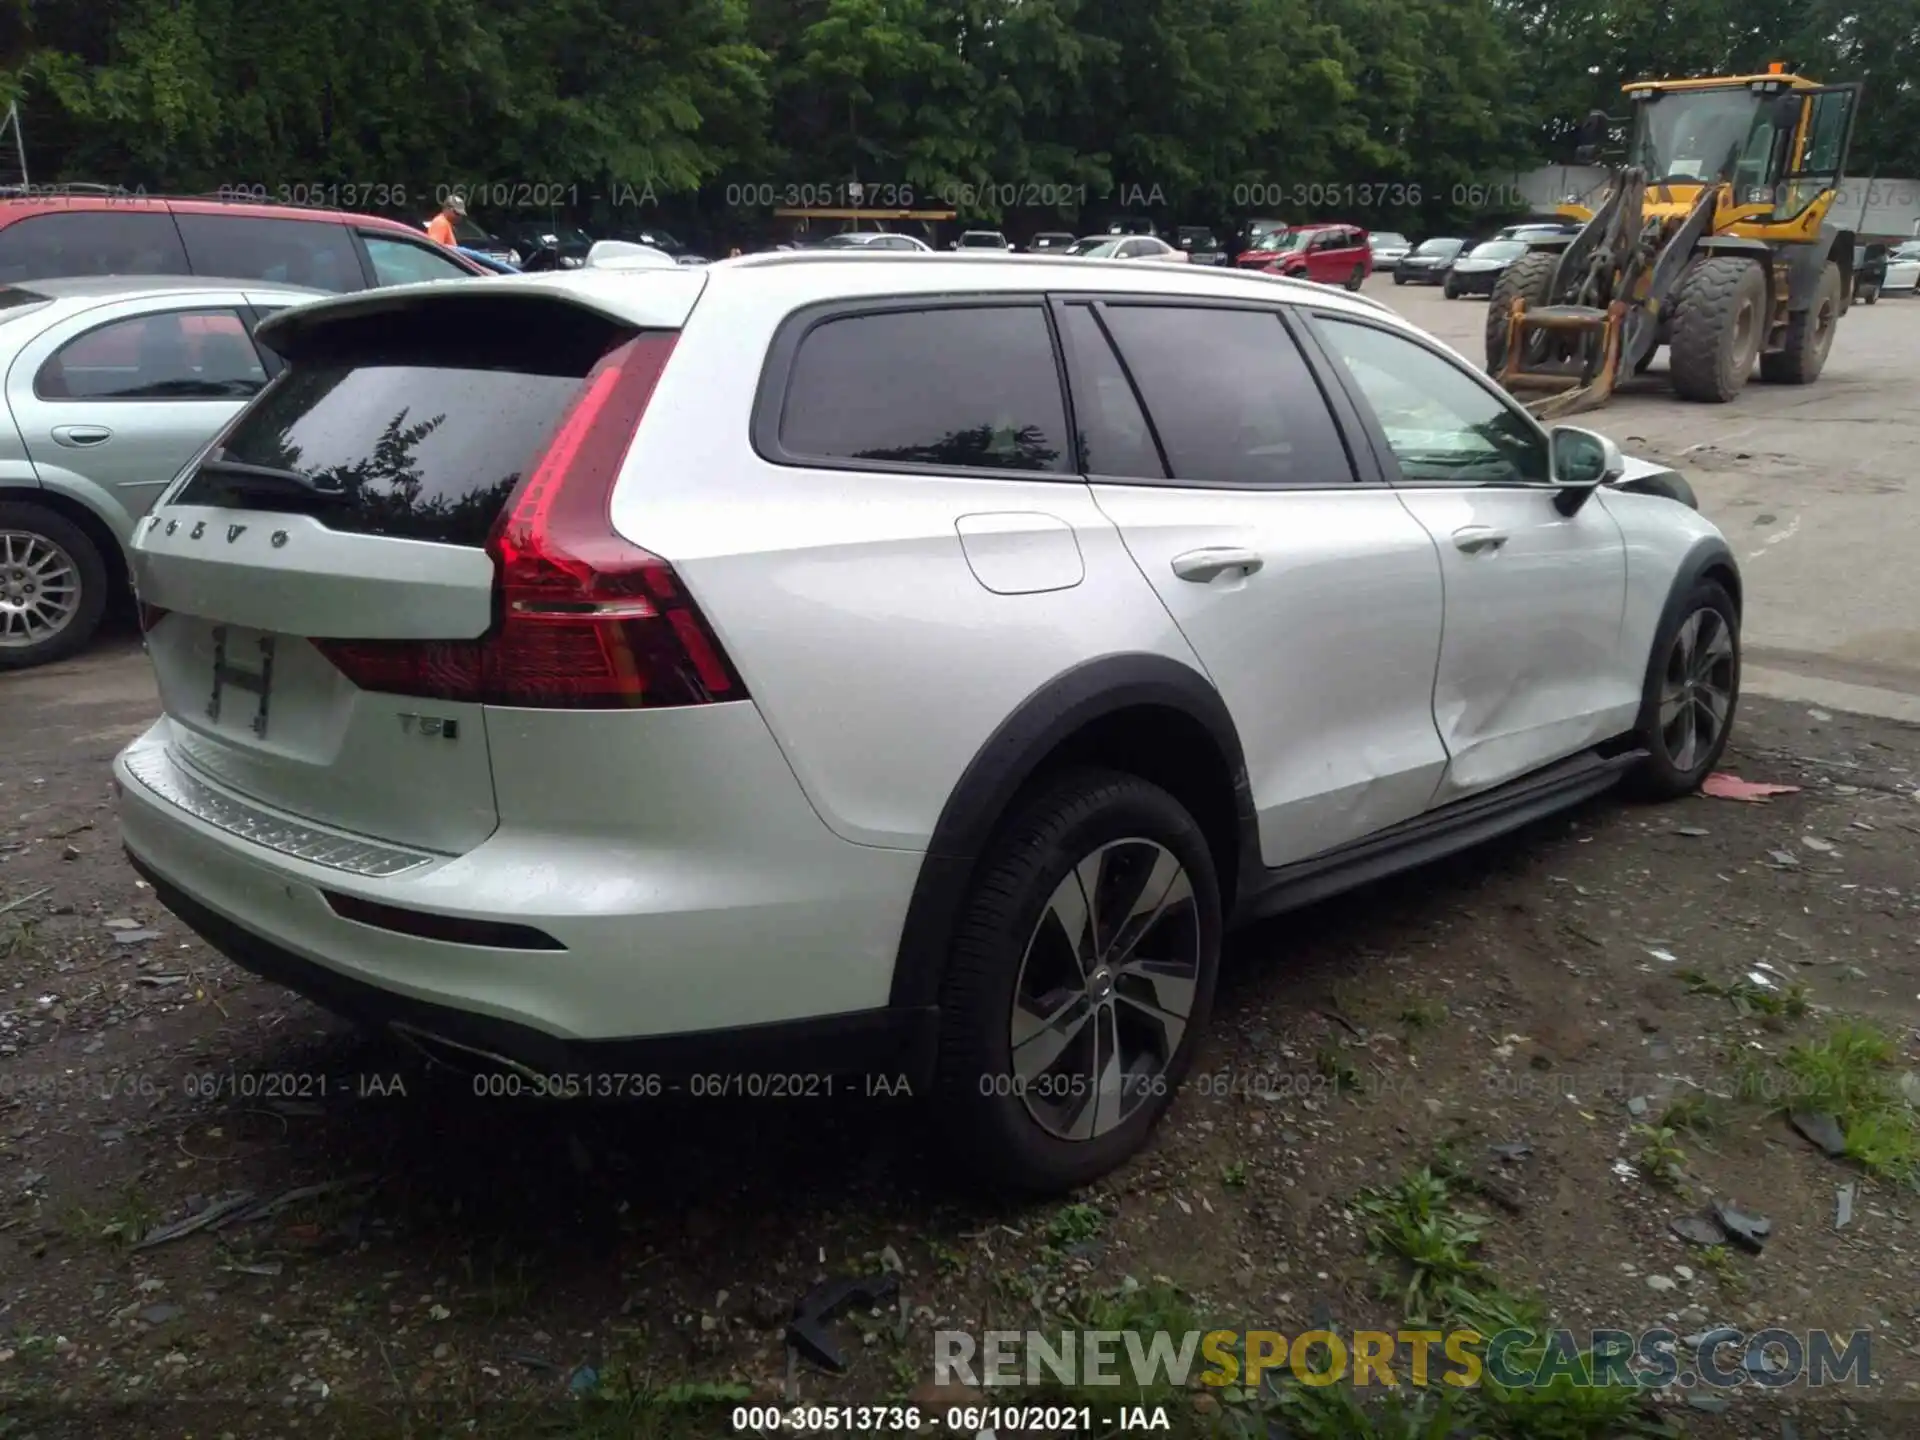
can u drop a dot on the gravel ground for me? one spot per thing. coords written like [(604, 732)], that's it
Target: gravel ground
[(1561, 993)]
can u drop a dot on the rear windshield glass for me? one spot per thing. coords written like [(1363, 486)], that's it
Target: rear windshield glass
[(413, 451)]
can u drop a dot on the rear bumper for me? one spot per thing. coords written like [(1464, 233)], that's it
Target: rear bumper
[(884, 1043), (705, 896)]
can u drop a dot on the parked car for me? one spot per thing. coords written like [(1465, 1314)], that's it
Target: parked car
[(551, 246), (983, 240), (1126, 247), (1050, 240), (536, 795), (1388, 246), (470, 235), (1201, 245), (46, 237), (1428, 262), (1903, 269), (1538, 230), (112, 384), (1133, 225), (1478, 270), (1331, 254), (1870, 262), (1261, 244), (487, 262), (872, 240)]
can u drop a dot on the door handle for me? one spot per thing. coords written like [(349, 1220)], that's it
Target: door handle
[(1202, 566), (1475, 538), (79, 437)]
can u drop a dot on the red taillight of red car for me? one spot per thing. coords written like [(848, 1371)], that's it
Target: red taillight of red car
[(587, 621)]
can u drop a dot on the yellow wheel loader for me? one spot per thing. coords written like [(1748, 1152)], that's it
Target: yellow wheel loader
[(1712, 239)]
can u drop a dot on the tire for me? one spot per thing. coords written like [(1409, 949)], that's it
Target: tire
[(1357, 278), (1009, 942), (1866, 294), (1529, 278), (1671, 767), (1719, 325), (1450, 290), (1809, 336), (43, 543), (1399, 279)]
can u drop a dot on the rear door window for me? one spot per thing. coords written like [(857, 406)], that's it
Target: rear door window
[(173, 355), (90, 242), (1230, 396), (958, 388), (314, 253)]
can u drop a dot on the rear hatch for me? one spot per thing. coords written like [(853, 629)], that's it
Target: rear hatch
[(325, 590)]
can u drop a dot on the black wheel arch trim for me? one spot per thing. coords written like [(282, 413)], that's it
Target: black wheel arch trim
[(1708, 553), (1008, 761)]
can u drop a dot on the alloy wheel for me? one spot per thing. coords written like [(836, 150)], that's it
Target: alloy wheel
[(39, 589), (1105, 989), (1696, 692)]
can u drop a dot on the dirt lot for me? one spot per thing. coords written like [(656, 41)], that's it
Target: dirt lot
[(1565, 991)]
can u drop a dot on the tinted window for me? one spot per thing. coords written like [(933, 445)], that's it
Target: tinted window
[(90, 242), (313, 253), (1230, 395), (401, 262), (175, 355), (423, 452), (1441, 423), (965, 388), (1114, 436)]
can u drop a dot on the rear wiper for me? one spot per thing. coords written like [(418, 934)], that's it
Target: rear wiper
[(269, 478)]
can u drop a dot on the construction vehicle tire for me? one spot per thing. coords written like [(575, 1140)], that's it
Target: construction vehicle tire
[(1529, 279), (1719, 323), (1809, 336)]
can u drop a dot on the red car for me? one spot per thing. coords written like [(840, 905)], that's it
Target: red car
[(1333, 254), (45, 236)]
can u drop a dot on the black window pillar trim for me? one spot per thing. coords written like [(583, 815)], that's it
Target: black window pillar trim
[(981, 799), (776, 379)]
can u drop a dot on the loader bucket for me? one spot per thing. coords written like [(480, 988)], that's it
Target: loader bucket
[(1588, 346)]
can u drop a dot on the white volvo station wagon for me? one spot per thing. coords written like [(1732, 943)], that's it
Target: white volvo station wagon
[(879, 665)]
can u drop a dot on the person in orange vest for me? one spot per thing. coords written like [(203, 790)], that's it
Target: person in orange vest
[(440, 229)]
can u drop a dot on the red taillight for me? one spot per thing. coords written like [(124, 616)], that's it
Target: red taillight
[(587, 621)]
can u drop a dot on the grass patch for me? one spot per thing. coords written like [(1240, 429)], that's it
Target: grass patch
[(1851, 1073), (1694, 1112), (1660, 1158), (1333, 1067), (1429, 1242), (1234, 1176), (119, 1226), (1424, 1015), (1790, 1002), (1073, 1224), (1719, 1262)]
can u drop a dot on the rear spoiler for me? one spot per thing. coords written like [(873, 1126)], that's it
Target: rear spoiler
[(646, 298)]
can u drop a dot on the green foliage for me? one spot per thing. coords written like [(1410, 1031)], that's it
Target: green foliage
[(1409, 114)]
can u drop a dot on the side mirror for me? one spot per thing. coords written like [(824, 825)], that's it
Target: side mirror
[(1581, 461)]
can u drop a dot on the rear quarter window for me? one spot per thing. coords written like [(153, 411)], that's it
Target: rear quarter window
[(951, 388), (89, 242)]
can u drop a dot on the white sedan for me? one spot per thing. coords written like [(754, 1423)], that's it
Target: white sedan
[(1903, 269), (1127, 247)]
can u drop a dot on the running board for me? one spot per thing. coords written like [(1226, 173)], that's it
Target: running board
[(1434, 836)]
